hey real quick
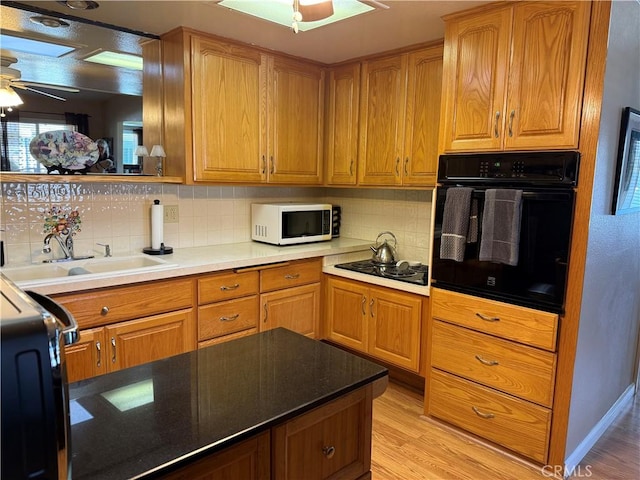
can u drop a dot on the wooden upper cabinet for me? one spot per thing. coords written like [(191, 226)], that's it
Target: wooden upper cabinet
[(513, 77), (341, 132), (422, 119), (229, 116), (399, 118), (296, 109), (382, 111)]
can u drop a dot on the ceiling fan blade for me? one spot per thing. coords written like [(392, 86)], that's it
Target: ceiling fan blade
[(24, 87), (45, 85)]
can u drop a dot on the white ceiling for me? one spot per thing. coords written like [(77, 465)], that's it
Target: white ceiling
[(404, 23)]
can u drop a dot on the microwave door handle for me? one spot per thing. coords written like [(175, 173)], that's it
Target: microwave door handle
[(69, 324)]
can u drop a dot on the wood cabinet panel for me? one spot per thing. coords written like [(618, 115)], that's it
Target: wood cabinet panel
[(347, 304), (515, 424), (226, 338), (249, 460), (330, 442), (225, 286), (140, 341), (101, 307), (85, 359), (291, 275), (526, 372), (229, 116), (520, 324), (223, 318), (342, 124), (382, 110), (296, 114), (394, 328), (296, 308)]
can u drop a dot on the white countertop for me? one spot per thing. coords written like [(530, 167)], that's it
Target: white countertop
[(198, 260)]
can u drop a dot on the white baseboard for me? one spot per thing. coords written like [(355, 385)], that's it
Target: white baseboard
[(574, 459)]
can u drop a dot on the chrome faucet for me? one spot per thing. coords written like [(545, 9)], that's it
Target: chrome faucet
[(66, 245)]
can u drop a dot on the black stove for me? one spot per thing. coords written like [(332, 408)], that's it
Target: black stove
[(416, 275)]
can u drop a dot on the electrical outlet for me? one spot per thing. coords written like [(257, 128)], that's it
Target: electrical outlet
[(171, 214)]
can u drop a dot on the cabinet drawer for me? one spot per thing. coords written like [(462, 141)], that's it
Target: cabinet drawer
[(291, 275), (101, 307), (226, 338), (523, 371), (521, 324), (515, 424), (225, 286), (227, 317)]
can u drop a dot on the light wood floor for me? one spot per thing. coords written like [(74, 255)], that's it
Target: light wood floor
[(408, 447)]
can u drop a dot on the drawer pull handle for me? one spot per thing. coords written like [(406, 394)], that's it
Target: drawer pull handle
[(371, 307), (511, 115), (406, 165), (398, 167), (495, 127), (482, 414), (329, 452), (230, 318), (491, 363), (104, 311), (487, 319), (364, 302), (224, 288), (113, 347), (292, 276), (266, 313), (99, 352)]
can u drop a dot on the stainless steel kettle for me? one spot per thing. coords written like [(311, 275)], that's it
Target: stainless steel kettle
[(385, 253)]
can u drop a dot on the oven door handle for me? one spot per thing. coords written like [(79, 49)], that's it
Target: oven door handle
[(69, 324)]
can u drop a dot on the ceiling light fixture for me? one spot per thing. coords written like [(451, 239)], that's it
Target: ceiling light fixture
[(314, 10), (80, 5), (50, 22), (8, 97)]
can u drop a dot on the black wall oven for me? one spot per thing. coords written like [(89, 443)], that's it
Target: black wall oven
[(539, 187)]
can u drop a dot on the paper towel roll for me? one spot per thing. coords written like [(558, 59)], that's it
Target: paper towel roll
[(157, 225)]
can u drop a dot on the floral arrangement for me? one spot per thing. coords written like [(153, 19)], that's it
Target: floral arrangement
[(60, 222)]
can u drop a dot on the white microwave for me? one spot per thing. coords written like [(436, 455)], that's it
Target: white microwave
[(290, 223)]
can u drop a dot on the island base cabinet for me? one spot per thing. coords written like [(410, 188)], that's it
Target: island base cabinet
[(330, 442), (249, 460)]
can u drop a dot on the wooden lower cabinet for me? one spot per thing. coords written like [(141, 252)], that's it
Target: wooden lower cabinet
[(381, 322), (249, 460), (333, 441), (297, 309), (127, 344)]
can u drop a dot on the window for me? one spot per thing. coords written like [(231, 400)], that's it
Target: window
[(19, 136)]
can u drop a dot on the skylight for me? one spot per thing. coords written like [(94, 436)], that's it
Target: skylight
[(38, 47), (281, 11), (115, 59)]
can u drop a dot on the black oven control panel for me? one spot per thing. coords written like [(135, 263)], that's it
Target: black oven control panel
[(531, 167)]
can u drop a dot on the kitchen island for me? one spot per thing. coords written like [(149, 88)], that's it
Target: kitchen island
[(155, 419)]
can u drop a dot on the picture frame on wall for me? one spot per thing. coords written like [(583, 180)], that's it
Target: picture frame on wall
[(626, 191)]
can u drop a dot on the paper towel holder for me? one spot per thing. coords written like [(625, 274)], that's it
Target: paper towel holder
[(163, 250)]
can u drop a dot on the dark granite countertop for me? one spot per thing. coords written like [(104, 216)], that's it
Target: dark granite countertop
[(146, 420)]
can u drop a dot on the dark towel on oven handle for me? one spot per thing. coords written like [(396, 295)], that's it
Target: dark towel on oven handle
[(455, 223), (500, 236)]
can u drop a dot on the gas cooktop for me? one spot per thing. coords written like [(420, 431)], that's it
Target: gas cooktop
[(416, 275)]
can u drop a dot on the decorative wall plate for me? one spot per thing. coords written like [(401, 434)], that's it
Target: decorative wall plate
[(64, 151)]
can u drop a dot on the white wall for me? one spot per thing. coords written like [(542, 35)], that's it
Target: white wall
[(610, 313), (119, 214)]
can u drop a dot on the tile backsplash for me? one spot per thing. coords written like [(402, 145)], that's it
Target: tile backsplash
[(119, 215)]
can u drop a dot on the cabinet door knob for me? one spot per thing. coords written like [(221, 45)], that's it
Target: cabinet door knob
[(490, 363), (482, 414), (496, 132), (104, 310), (224, 288), (329, 451), (487, 319), (230, 318)]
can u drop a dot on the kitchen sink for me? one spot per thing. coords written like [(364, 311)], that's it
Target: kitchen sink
[(47, 273)]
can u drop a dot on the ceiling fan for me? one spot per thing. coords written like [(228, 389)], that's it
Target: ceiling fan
[(10, 78)]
